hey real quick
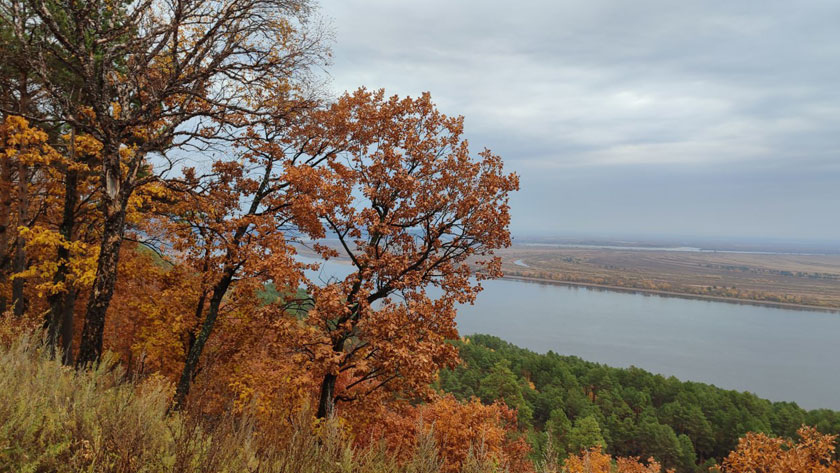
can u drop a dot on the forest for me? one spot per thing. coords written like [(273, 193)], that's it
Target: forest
[(631, 412), (163, 162)]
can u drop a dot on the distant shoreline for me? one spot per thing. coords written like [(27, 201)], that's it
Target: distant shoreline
[(681, 295)]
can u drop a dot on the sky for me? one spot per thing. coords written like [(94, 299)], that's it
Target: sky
[(626, 118)]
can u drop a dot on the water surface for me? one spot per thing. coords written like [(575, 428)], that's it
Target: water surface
[(779, 354)]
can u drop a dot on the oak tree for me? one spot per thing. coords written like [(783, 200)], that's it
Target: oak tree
[(760, 453), (235, 224), (418, 217)]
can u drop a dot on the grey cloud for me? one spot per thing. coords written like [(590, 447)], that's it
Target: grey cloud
[(588, 87)]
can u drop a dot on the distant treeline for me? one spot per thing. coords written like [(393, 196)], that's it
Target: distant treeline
[(685, 425), (776, 272)]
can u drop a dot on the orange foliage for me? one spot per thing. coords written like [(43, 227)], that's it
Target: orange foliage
[(246, 362), (151, 314), (759, 453), (412, 209), (459, 429), (596, 461)]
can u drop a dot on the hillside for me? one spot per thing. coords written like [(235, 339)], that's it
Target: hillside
[(685, 425)]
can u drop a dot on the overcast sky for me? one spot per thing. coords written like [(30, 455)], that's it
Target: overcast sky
[(687, 118)]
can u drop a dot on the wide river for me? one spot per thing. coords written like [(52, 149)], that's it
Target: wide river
[(779, 354)]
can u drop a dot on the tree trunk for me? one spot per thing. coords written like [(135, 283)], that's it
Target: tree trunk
[(114, 207), (197, 346), (199, 309), (67, 323), (5, 231), (58, 312), (90, 348), (19, 263), (327, 398)]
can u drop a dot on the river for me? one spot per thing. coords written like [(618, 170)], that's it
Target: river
[(779, 354)]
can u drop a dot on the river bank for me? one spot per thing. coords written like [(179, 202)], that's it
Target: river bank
[(681, 295)]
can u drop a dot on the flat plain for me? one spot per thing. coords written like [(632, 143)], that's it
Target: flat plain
[(801, 280)]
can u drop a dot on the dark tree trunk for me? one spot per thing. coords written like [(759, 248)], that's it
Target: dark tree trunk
[(19, 263), (19, 284), (67, 319), (19, 260), (5, 215), (90, 348), (57, 317), (114, 205), (327, 398), (199, 309), (197, 345)]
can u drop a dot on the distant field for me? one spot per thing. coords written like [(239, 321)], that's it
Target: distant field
[(805, 280)]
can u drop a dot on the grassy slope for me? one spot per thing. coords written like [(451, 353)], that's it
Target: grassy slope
[(54, 419)]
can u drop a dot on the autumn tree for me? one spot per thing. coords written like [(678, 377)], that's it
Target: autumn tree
[(418, 216), (594, 460), (760, 453), (146, 78), (24, 93), (235, 224), (19, 95), (58, 253), (463, 432), (74, 221), (23, 148)]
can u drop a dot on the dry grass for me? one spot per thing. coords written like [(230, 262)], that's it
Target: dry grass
[(55, 419)]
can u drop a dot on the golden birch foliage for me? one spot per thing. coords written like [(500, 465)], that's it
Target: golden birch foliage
[(29, 146), (42, 245), (19, 141)]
